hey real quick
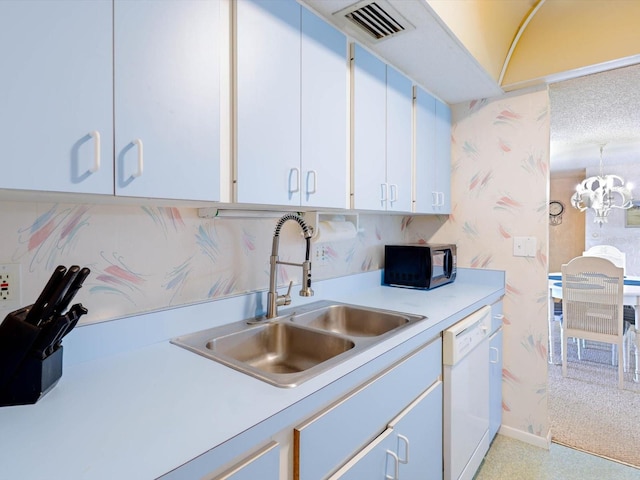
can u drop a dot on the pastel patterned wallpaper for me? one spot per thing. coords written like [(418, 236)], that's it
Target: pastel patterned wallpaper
[(500, 185), (145, 258)]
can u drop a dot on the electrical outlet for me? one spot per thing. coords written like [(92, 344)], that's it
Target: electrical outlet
[(320, 256), (10, 294)]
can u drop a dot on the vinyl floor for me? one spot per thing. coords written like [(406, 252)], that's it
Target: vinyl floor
[(510, 459)]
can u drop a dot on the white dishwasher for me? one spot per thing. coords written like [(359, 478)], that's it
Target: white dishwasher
[(465, 358)]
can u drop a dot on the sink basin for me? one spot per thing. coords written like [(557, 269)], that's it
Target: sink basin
[(300, 343), (280, 347), (352, 321)]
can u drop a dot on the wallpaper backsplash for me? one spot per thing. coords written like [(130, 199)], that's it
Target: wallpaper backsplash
[(146, 258)]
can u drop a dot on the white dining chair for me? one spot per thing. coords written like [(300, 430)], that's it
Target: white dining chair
[(619, 259), (611, 253), (592, 305)]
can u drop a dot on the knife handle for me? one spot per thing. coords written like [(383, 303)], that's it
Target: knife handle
[(74, 315), (45, 342), (34, 316), (61, 307), (59, 292)]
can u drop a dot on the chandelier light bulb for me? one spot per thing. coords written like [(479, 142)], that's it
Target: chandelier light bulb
[(602, 193)]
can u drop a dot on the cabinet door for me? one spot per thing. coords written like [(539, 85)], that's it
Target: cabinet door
[(426, 195), (495, 383), (443, 156), (264, 464), (268, 102), (167, 99), (377, 460), (399, 137), (324, 106), (410, 448), (358, 416), (56, 111), (369, 131), (418, 431)]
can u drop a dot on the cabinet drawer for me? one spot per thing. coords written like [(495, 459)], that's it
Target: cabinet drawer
[(329, 438)]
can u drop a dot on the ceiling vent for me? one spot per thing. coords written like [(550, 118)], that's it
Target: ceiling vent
[(377, 18)]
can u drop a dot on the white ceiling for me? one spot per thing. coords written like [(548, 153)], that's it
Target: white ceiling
[(595, 110), (420, 52)]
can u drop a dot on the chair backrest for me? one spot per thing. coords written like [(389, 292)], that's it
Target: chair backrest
[(592, 292), (611, 253)]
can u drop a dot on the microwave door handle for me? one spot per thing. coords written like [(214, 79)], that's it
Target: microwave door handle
[(448, 267)]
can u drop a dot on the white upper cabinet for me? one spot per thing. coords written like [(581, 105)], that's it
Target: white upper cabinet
[(57, 114), (56, 96), (382, 116), (432, 154), (399, 139), (443, 156), (268, 102), (167, 112), (292, 100), (369, 131), (325, 106)]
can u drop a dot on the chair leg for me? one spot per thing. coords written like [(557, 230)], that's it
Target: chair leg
[(580, 343), (625, 354), (613, 354), (563, 346), (620, 365)]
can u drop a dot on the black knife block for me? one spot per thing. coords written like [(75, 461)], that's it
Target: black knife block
[(25, 375)]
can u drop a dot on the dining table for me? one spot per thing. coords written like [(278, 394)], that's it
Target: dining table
[(631, 296)]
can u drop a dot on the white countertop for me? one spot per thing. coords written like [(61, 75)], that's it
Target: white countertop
[(143, 411)]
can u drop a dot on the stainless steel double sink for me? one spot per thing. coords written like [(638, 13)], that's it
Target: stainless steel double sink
[(298, 344)]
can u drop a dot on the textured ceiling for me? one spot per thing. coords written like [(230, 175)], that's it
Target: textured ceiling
[(595, 110)]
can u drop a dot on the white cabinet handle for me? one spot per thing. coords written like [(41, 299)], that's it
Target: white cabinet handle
[(441, 195), (312, 174), (396, 467), (138, 143), (383, 193), (497, 352), (393, 191), (96, 151), (434, 199), (296, 184), (406, 449)]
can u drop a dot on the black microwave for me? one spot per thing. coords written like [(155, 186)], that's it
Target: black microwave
[(418, 265)]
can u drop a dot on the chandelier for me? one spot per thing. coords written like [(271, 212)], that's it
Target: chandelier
[(602, 193)]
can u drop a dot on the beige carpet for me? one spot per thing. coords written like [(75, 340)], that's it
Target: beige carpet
[(587, 410)]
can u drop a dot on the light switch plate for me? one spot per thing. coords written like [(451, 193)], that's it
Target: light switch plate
[(525, 246)]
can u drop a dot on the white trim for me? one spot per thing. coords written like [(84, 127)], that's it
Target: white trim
[(514, 43), (575, 73), (526, 437)]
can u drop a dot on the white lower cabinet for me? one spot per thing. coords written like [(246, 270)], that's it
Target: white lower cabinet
[(263, 464), (399, 411), (377, 460), (409, 449), (387, 426)]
